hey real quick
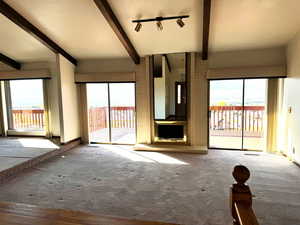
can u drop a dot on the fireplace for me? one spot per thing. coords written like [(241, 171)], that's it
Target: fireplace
[(170, 131)]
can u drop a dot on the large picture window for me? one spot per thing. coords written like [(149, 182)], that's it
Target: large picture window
[(25, 105)]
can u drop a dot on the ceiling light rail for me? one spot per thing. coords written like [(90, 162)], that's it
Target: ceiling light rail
[(159, 20)]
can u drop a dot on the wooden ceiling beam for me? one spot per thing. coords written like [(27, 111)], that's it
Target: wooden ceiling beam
[(206, 24), (112, 20), (10, 62), (23, 23)]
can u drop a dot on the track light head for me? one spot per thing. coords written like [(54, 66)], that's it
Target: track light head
[(180, 22), (159, 25), (138, 27)]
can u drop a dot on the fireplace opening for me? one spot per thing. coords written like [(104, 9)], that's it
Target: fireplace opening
[(170, 131)]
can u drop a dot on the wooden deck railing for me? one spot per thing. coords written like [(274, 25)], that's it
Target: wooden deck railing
[(121, 117), (241, 198), (230, 119), (28, 119)]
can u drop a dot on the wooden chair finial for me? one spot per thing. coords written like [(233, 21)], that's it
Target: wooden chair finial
[(241, 174)]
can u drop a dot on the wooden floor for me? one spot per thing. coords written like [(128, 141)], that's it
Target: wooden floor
[(21, 214)]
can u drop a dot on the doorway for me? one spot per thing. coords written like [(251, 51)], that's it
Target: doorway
[(111, 113), (237, 114)]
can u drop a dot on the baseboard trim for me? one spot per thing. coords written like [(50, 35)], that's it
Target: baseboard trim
[(68, 142), (296, 163), (18, 169)]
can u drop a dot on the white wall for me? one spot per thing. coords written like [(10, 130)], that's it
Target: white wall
[(248, 58), (68, 107), (197, 101), (291, 99), (53, 100), (105, 65)]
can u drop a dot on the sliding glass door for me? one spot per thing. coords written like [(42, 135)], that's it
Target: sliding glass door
[(226, 102), (237, 115), (122, 112), (25, 105), (111, 112), (255, 117), (98, 113)]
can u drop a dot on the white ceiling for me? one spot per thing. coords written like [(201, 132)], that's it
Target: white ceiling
[(173, 38), (76, 25), (253, 24), (17, 44), (79, 28)]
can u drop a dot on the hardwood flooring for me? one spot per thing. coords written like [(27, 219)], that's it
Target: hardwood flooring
[(23, 214)]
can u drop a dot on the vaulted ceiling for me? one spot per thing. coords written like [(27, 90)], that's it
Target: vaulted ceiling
[(79, 28)]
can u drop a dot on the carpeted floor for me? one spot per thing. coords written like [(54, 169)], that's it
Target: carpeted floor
[(182, 188)]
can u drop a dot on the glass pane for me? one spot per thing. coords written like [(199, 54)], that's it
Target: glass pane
[(122, 112), (225, 110), (27, 105), (255, 114), (97, 99)]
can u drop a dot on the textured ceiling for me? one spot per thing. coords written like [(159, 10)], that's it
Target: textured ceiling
[(173, 38), (19, 45), (76, 25), (79, 28), (253, 24)]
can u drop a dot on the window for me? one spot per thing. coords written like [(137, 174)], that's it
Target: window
[(25, 105)]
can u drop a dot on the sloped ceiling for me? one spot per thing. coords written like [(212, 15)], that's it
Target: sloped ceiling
[(17, 44), (79, 28), (173, 38), (76, 25), (253, 24)]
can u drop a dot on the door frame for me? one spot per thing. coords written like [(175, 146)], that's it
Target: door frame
[(243, 114), (8, 104), (109, 112)]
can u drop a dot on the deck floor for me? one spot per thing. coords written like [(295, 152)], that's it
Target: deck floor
[(176, 188), (118, 135)]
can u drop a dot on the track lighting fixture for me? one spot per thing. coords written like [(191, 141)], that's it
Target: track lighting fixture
[(180, 22), (159, 20), (159, 26), (138, 27)]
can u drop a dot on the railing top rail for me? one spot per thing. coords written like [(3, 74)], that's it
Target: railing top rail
[(28, 110), (115, 107), (230, 108)]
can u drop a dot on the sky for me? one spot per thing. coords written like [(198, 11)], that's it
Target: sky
[(27, 94), (121, 94), (230, 92)]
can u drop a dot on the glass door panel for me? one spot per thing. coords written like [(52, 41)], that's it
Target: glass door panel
[(255, 114), (25, 105), (98, 113), (122, 112), (226, 114)]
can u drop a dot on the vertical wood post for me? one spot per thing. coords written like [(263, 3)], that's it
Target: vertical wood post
[(240, 192)]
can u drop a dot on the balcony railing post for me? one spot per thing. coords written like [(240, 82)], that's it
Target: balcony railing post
[(240, 192)]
